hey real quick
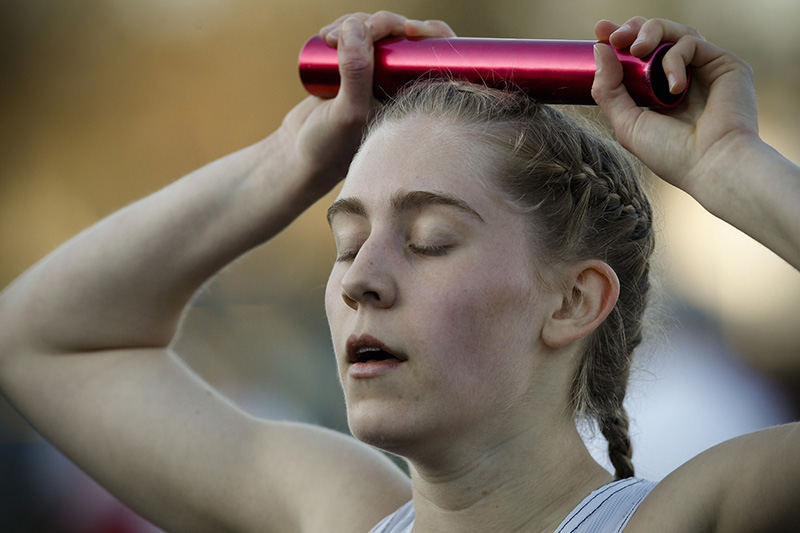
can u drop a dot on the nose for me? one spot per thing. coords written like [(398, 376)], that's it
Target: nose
[(369, 279)]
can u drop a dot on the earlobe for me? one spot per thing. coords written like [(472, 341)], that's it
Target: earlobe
[(590, 295)]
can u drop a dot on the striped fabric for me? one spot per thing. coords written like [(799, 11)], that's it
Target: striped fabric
[(606, 510)]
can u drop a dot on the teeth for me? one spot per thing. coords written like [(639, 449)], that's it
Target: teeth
[(368, 349)]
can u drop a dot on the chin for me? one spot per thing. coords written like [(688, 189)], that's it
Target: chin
[(385, 427)]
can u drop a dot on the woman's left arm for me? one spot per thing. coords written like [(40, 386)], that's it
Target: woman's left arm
[(709, 146), (746, 484)]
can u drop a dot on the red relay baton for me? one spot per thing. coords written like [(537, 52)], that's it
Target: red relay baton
[(551, 71)]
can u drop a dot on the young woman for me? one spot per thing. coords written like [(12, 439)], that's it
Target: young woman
[(491, 271)]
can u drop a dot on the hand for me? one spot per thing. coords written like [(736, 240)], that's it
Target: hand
[(684, 145), (325, 134)]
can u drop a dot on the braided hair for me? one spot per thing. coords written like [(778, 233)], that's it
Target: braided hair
[(583, 196)]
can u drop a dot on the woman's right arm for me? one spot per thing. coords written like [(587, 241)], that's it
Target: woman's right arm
[(84, 335)]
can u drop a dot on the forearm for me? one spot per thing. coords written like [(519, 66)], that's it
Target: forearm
[(124, 281), (756, 189)]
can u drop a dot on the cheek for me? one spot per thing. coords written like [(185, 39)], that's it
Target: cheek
[(330, 290), (482, 330), (333, 310)]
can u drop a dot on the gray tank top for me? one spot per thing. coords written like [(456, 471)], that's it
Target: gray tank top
[(606, 510)]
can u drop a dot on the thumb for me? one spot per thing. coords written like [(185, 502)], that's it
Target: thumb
[(356, 62), (612, 96)]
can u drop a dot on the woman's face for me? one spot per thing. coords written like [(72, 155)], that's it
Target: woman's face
[(433, 303)]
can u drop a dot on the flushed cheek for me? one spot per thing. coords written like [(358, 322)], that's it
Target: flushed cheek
[(479, 341)]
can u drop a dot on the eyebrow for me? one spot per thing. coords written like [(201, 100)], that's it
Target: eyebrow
[(402, 202)]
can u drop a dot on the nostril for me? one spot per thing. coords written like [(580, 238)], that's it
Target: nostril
[(366, 296), (372, 295), (350, 302)]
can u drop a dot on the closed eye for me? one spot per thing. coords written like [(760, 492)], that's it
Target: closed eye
[(347, 255), (435, 250)]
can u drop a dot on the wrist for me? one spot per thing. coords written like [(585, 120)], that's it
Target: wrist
[(281, 184), (310, 175), (757, 190), (728, 173)]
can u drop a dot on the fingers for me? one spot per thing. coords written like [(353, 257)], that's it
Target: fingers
[(620, 36), (683, 53), (655, 31), (643, 36), (612, 96), (428, 28), (710, 61), (353, 35), (356, 61), (330, 33), (386, 24)]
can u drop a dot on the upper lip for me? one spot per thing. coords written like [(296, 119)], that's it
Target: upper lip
[(358, 345)]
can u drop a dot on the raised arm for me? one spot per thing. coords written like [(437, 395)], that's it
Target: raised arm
[(710, 146), (84, 335)]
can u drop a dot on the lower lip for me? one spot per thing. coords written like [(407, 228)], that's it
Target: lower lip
[(372, 369)]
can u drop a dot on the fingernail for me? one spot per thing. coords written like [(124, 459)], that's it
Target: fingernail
[(639, 39), (622, 28), (352, 32), (597, 56), (672, 81)]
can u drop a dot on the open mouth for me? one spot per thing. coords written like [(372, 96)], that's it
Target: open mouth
[(371, 354), (368, 349)]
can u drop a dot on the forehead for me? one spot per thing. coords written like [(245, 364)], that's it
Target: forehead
[(419, 154)]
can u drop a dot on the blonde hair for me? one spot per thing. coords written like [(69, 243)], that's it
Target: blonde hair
[(584, 198)]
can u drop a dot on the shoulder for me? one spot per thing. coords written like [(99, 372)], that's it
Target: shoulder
[(749, 483), (326, 480), (400, 521)]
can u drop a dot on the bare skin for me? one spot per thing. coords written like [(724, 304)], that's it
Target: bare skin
[(482, 391), (84, 342), (713, 153)]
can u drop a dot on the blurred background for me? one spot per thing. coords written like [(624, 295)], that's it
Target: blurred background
[(104, 101)]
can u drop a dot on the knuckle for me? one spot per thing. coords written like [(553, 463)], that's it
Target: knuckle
[(356, 65), (743, 65), (440, 28), (652, 24), (598, 94), (688, 45), (340, 20), (360, 17), (638, 20)]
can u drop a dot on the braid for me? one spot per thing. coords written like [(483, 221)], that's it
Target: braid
[(615, 429), (608, 216)]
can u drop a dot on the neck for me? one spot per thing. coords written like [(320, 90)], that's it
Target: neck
[(523, 484)]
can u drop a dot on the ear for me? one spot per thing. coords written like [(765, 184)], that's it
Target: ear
[(592, 290)]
